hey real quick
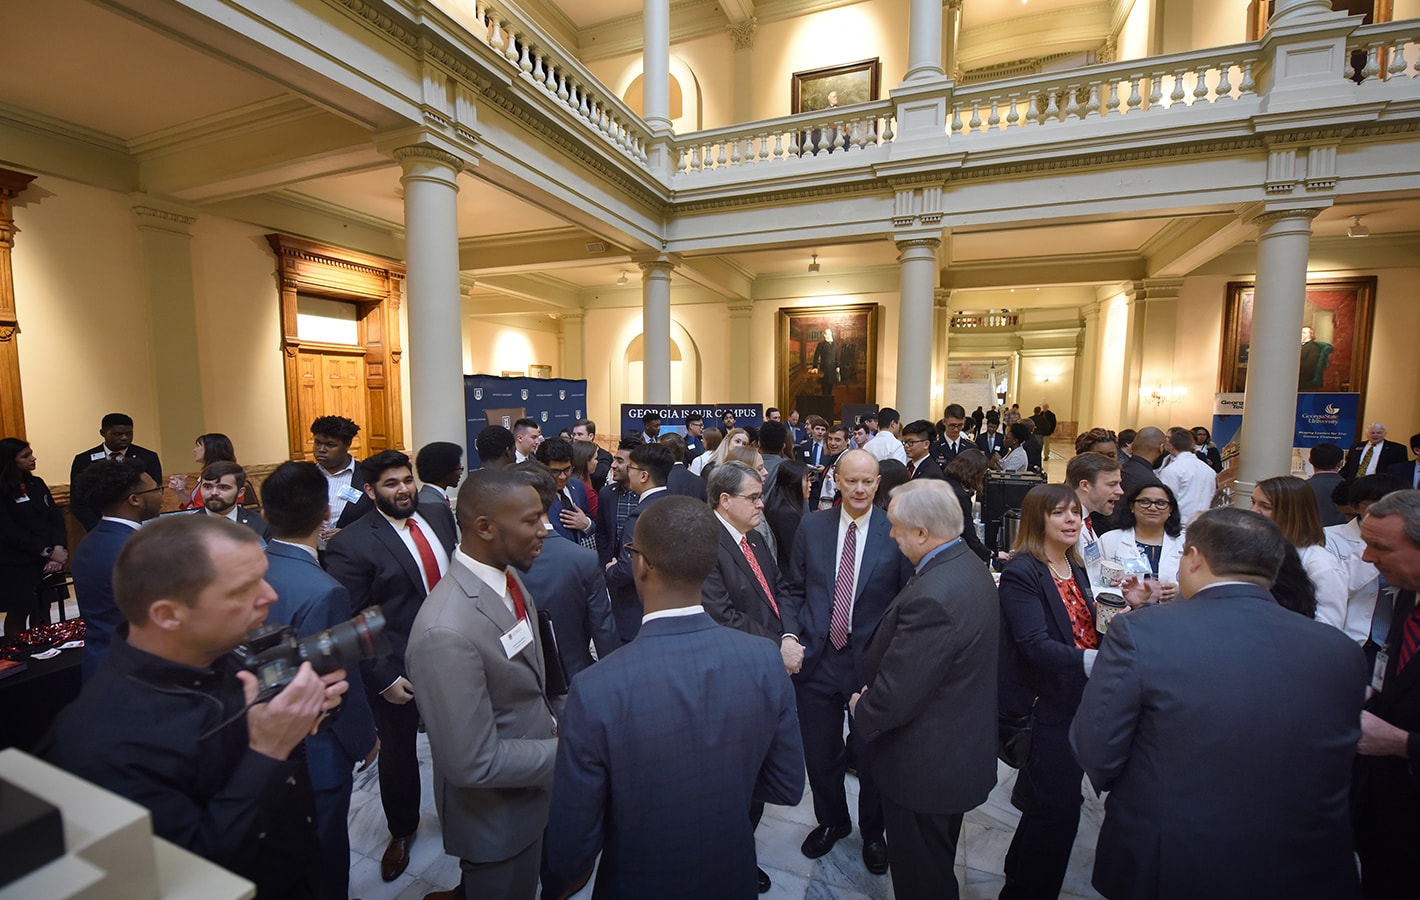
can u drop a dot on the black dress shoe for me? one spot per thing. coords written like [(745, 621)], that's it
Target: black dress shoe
[(875, 856), (822, 839), (396, 858), (763, 880)]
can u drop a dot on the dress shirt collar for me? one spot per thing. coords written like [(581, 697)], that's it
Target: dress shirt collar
[(734, 532), (129, 522), (676, 613), (109, 451), (401, 524), (348, 468), (862, 521), (649, 492), (934, 552), (496, 580), (306, 547)]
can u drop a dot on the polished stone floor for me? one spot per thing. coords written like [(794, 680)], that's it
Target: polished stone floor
[(840, 875)]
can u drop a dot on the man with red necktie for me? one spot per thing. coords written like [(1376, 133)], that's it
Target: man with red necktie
[(393, 556)]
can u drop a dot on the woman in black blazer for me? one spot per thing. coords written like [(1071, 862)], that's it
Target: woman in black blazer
[(32, 538), (965, 474), (1048, 646)]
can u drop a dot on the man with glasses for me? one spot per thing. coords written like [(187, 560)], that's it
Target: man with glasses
[(917, 442), (953, 418), (126, 496), (647, 469), (568, 515), (744, 590)]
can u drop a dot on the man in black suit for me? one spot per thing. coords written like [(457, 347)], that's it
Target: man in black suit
[(991, 440), (928, 706), (1373, 455), (1180, 754), (917, 443), (586, 431), (568, 584), (1326, 460), (1409, 472), (392, 557), (952, 443), (825, 489), (1386, 788), (116, 429), (569, 517), (694, 442), (843, 573), (439, 465), (813, 450), (222, 483), (825, 362), (744, 591), (682, 481), (647, 468)]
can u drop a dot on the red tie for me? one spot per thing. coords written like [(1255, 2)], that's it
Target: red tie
[(911, 469), (426, 555), (843, 590), (116, 457), (758, 573), (519, 607)]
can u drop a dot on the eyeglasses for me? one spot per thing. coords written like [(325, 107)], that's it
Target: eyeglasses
[(149, 491), (1153, 504), (632, 468), (917, 441), (752, 498), (632, 550)]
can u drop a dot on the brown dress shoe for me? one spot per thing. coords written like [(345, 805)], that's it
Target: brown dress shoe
[(396, 858)]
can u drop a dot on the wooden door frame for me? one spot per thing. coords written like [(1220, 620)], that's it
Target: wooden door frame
[(375, 286)]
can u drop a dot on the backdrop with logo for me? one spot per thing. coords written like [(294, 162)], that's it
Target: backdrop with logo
[(1321, 418), (673, 417), (554, 403)]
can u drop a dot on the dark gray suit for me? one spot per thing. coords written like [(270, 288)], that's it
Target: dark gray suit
[(567, 581), (929, 714), (1224, 728), (686, 483), (732, 594)]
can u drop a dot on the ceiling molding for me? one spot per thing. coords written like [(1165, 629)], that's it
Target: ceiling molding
[(1087, 25), (49, 146), (280, 111), (690, 19)]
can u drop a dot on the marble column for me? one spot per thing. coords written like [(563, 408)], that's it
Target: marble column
[(741, 333), (941, 361), (1287, 11), (1088, 365), (1277, 311), (924, 40), (165, 242), (918, 257), (656, 64), (12, 406), (951, 34), (573, 349), (656, 327), (431, 249)]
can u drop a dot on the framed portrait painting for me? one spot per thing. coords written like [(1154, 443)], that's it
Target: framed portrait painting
[(833, 86), (828, 357), (1333, 349)]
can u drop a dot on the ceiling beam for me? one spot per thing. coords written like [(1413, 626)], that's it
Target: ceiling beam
[(561, 249), (1186, 244), (1086, 268)]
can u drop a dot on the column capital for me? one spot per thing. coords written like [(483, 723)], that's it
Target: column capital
[(742, 33), (1268, 216), (12, 183), (163, 213), (954, 5), (909, 243), (430, 153), (741, 309), (656, 261), (1148, 290), (941, 298), (422, 146), (572, 316)]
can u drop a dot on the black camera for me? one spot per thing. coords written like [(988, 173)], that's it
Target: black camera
[(274, 654)]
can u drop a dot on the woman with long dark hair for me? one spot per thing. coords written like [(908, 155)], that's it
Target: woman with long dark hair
[(1291, 503), (32, 538), (966, 474), (1151, 528), (208, 448), (1048, 648), (786, 502)]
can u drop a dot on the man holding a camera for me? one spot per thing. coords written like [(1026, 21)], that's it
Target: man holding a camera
[(169, 720)]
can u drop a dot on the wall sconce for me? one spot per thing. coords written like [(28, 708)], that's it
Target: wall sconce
[(813, 266), (1357, 230), (622, 279), (1159, 395)]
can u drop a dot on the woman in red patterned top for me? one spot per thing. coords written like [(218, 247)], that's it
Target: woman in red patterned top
[(209, 448), (1047, 616)]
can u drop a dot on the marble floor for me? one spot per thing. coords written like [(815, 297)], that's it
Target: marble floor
[(840, 875)]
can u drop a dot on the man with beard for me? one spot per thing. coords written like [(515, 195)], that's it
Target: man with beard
[(475, 653), (393, 556), (222, 484)]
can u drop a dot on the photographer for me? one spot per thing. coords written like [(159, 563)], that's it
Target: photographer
[(167, 720)]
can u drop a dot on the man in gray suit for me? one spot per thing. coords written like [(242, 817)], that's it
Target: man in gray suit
[(475, 654), (928, 710), (1224, 728)]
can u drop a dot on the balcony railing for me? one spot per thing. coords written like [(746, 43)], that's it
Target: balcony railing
[(1392, 51), (984, 320), (857, 129)]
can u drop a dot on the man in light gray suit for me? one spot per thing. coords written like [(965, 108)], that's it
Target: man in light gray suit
[(475, 654), (1224, 728)]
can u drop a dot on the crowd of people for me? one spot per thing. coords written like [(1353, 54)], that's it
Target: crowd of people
[(620, 656)]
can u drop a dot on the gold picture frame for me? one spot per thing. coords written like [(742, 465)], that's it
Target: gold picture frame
[(805, 381)]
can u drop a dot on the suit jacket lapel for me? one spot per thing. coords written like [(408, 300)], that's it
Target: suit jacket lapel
[(743, 563), (491, 605), (873, 550), (1057, 604), (384, 533)]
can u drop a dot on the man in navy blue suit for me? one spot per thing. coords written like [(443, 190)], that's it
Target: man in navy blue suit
[(295, 500), (126, 496), (844, 571), (647, 469), (568, 584), (568, 516), (672, 822)]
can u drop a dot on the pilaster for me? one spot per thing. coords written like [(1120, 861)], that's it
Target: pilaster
[(12, 406), (741, 331)]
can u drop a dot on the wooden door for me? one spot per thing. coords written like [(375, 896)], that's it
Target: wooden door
[(331, 382)]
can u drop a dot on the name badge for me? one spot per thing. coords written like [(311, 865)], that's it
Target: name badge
[(1092, 552), (516, 638), (349, 494), (1378, 674), (99, 455), (23, 498)]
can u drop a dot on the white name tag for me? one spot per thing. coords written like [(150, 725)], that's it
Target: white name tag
[(1378, 674), (349, 494), (23, 498), (516, 638), (99, 455)]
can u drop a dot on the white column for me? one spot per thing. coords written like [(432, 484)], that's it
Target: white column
[(656, 327), (656, 64), (431, 250), (918, 257), (1286, 11), (1087, 366), (924, 40), (741, 333), (1277, 310), (951, 32), (941, 362)]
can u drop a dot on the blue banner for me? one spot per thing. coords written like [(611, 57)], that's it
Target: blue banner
[(1325, 418), (673, 415), (553, 403)]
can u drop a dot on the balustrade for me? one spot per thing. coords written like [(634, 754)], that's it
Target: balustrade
[(817, 134), (1389, 51)]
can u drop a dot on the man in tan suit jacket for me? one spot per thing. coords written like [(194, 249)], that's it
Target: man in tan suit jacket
[(475, 654)]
